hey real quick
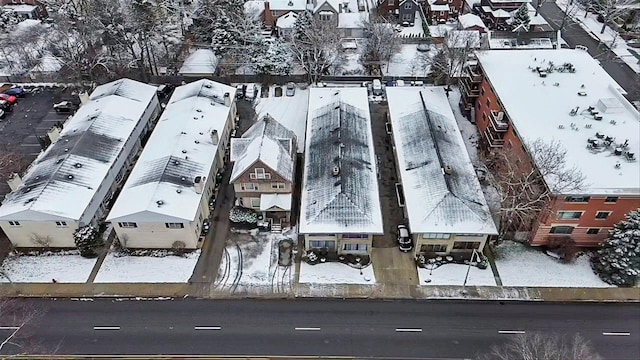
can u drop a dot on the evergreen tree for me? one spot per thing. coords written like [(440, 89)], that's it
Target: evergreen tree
[(302, 24), (618, 260), (224, 35), (87, 240), (521, 20)]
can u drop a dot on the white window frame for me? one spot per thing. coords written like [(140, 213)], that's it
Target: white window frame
[(563, 215), (61, 224), (562, 226), (355, 247), (278, 185), (250, 186), (174, 225), (391, 2), (436, 236), (604, 211), (253, 202), (128, 224), (607, 201), (325, 17), (322, 242), (259, 174), (14, 223), (596, 233)]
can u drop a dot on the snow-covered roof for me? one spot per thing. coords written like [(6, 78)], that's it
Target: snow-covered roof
[(540, 108), (271, 201), (64, 179), (439, 7), (287, 20), (339, 140), (464, 38), (253, 7), (48, 63), (470, 20), (202, 61), (353, 20), (295, 5), (351, 5), (182, 147), (500, 13), (427, 141), (274, 153), (511, 43), (509, 1), (22, 8)]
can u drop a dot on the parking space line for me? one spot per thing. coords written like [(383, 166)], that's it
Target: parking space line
[(9, 327), (510, 331), (408, 330), (106, 328), (616, 333), (25, 145), (207, 328), (307, 329)]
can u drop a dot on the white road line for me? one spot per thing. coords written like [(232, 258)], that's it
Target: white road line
[(9, 327), (408, 330), (25, 145), (616, 334), (307, 329), (207, 328), (106, 328), (510, 331)]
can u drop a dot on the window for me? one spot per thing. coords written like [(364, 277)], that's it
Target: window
[(406, 17), (174, 225), (274, 12), (484, 116), (561, 230), (127, 225), (466, 245), (488, 102), (391, 2), (14, 223), (436, 236), (259, 174), (577, 199), (509, 145), (593, 231), (408, 5), (601, 215), (611, 199), (322, 244), (355, 236), (569, 215), (482, 91), (325, 17), (433, 248), (441, 13), (355, 247), (61, 223), (255, 203), (277, 185), (250, 186)]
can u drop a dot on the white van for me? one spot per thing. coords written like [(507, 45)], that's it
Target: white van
[(250, 93), (377, 87)]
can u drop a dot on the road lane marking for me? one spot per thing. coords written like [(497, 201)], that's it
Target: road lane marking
[(207, 328), (510, 331), (106, 328), (9, 327), (616, 333), (307, 329), (408, 330)]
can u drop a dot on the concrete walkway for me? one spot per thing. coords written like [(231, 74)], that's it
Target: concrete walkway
[(393, 267)]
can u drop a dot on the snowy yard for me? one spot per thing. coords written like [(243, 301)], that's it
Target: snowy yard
[(147, 269), (250, 263), (290, 111), (409, 62), (64, 267), (335, 273), (415, 30), (454, 274), (519, 265)]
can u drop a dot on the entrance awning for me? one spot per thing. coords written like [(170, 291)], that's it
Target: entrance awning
[(275, 202)]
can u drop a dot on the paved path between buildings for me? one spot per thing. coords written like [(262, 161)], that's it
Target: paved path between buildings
[(391, 266)]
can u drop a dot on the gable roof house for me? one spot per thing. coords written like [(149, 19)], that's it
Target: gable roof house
[(439, 11), (166, 198), (264, 169), (348, 16), (443, 200), (340, 204), (71, 183), (274, 9)]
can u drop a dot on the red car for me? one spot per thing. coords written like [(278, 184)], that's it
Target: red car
[(9, 98)]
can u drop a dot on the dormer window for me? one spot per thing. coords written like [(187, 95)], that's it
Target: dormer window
[(260, 174)]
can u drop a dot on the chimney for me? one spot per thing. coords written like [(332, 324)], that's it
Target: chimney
[(214, 137), (447, 170), (84, 97), (339, 8), (336, 171), (198, 184), (14, 181), (227, 99), (54, 134)]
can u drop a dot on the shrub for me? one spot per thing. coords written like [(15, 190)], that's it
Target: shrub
[(564, 246)]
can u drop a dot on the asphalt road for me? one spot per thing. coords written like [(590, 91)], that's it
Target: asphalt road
[(392, 329), (574, 35)]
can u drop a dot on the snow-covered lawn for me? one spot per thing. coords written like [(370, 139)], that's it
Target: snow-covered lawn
[(147, 269), (519, 265), (409, 62), (335, 273), (453, 274), (64, 267), (352, 65), (290, 111)]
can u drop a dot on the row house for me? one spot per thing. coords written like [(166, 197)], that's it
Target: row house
[(71, 184), (27, 9), (165, 201), (519, 96), (440, 11)]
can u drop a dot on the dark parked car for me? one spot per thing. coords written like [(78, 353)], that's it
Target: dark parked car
[(6, 106), (164, 90), (16, 91), (405, 243)]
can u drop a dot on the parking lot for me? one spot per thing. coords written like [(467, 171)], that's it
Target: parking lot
[(32, 117)]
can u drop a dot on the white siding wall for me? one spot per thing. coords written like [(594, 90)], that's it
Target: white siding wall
[(156, 235), (448, 243), (25, 234)]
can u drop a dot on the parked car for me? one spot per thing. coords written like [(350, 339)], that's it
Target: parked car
[(64, 107), (251, 91), (16, 91), (9, 98), (240, 90), (5, 106), (405, 243), (291, 89), (1, 114), (377, 87), (423, 47), (164, 90)]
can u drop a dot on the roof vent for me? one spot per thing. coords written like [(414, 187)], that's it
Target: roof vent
[(66, 150), (183, 178), (198, 110), (77, 165), (195, 118), (70, 177), (201, 133), (183, 133), (59, 161), (184, 151), (336, 171), (197, 141), (160, 203), (28, 189), (208, 86), (178, 191), (447, 170)]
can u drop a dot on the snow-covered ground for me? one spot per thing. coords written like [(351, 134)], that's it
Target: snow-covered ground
[(409, 62), (335, 273), (415, 30), (519, 265), (290, 111), (610, 37), (147, 269), (352, 65), (64, 267), (454, 274), (250, 263), (468, 130)]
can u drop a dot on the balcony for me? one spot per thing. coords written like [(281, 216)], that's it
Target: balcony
[(493, 140), (499, 121), (473, 74), (470, 89)]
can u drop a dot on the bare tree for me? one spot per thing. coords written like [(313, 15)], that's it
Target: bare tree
[(610, 10), (41, 240), (21, 317), (543, 346), (526, 185), (452, 55), (315, 45), (12, 162), (381, 43)]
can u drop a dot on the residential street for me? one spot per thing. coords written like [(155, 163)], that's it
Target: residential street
[(574, 35), (365, 328)]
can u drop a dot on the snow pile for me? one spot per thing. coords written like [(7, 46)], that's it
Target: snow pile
[(335, 273), (519, 265), (290, 111), (454, 274), (147, 269), (64, 267)]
